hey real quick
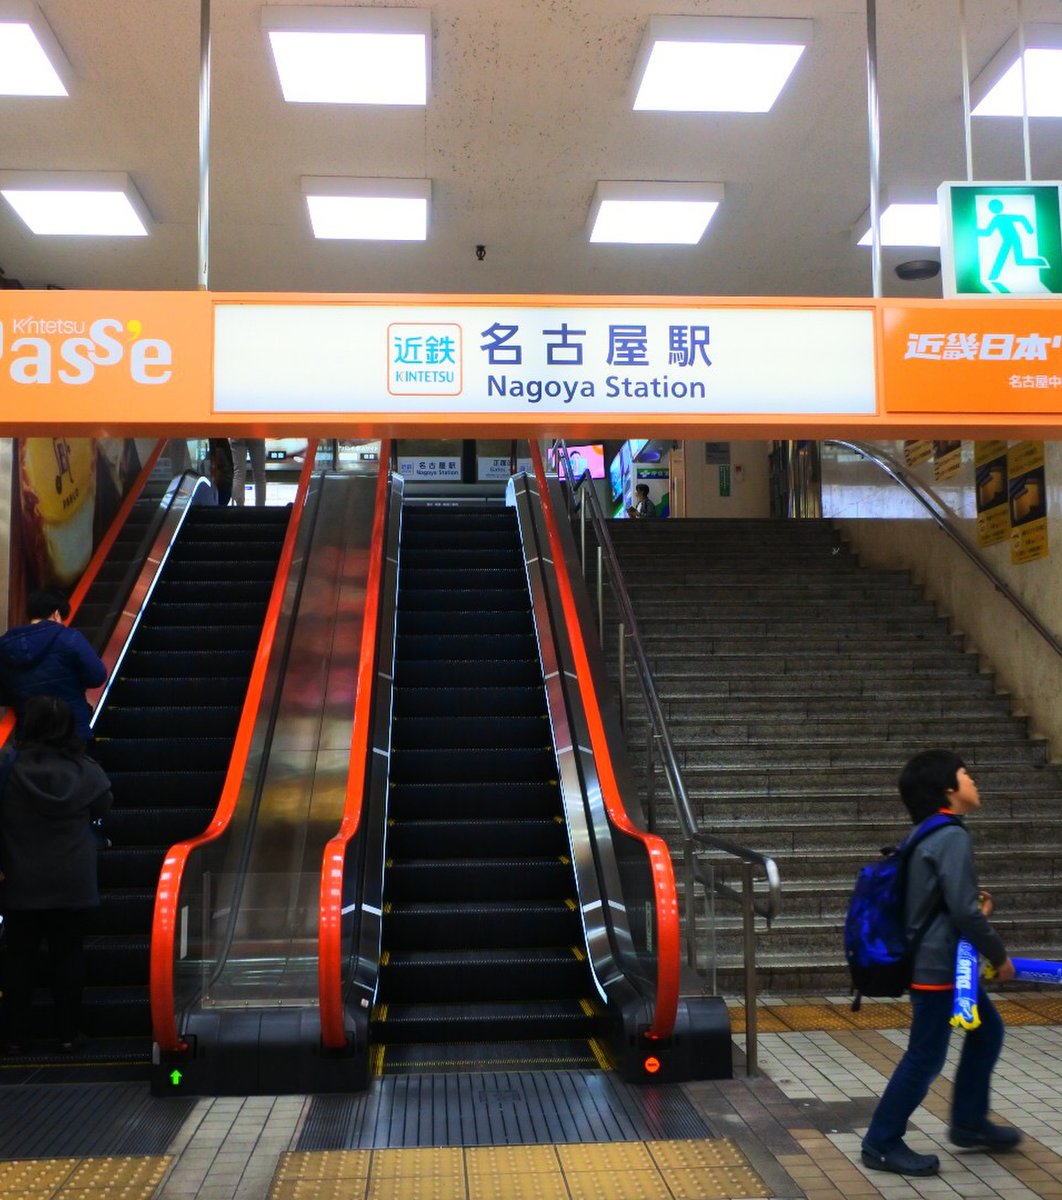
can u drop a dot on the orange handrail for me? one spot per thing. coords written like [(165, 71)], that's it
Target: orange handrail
[(167, 895), (88, 576), (663, 875), (330, 920)]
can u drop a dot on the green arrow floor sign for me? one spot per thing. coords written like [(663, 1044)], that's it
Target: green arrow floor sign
[(1001, 239)]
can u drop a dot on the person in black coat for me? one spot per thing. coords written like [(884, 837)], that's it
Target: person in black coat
[(51, 791)]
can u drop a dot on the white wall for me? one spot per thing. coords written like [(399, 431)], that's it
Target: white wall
[(749, 490), (888, 529)]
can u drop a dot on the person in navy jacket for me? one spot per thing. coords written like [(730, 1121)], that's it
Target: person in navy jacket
[(45, 658)]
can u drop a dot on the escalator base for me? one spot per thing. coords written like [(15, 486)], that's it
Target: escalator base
[(451, 1057)]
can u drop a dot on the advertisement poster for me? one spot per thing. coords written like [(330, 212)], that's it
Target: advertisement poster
[(990, 475), (68, 492), (1028, 502), (947, 458), (917, 452)]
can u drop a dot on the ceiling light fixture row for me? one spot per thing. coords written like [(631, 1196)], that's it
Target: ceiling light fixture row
[(342, 55)]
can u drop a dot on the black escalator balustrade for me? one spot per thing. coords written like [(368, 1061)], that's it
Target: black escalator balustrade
[(166, 732), (484, 961)]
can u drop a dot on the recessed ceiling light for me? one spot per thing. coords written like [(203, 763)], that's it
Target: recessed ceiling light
[(660, 214), (996, 92), (717, 64), (389, 210), (75, 203), (31, 61), (350, 55), (905, 224)]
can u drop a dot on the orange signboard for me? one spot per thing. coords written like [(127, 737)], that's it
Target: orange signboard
[(972, 357), (86, 361)]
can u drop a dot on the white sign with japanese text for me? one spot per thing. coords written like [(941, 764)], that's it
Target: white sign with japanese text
[(481, 359)]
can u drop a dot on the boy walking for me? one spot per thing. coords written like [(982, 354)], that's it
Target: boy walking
[(942, 898)]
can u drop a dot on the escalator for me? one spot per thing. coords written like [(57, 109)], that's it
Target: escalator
[(164, 732), (484, 962)]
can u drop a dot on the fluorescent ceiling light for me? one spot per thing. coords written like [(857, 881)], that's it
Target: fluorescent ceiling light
[(31, 60), (350, 55), (717, 64), (660, 214), (905, 224), (389, 210), (996, 92), (74, 203)]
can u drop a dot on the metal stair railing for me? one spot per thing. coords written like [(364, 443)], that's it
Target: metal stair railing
[(940, 515), (698, 870)]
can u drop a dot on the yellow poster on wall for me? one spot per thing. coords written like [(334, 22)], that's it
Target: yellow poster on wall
[(916, 452), (947, 458), (990, 476), (1028, 502)]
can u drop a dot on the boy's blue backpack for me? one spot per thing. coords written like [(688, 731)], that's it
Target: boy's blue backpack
[(880, 957)]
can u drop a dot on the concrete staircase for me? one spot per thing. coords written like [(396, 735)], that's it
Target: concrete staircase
[(796, 684)]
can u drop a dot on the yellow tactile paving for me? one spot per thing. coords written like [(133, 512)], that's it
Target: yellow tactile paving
[(800, 1017), (680, 1169), (125, 1178), (877, 1016), (323, 1164), (766, 1021), (1017, 1012), (510, 1160), (1047, 1008)]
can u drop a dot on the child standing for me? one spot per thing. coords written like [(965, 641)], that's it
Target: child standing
[(941, 881)]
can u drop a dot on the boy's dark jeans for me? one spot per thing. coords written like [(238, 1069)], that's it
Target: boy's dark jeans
[(922, 1063), (64, 931)]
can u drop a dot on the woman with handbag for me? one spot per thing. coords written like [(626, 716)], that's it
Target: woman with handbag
[(50, 794)]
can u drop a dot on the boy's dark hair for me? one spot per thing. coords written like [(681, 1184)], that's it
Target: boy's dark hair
[(925, 781), (642, 487), (48, 723), (43, 602)]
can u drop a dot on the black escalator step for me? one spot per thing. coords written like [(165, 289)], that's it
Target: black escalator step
[(470, 926), (490, 836), (427, 646), (122, 960), (422, 880), (124, 911), (404, 1023), (145, 826), (117, 1011), (457, 539), (207, 514), (442, 1058), (201, 637), (484, 580), (141, 754), (166, 693), (198, 664), (458, 519), (526, 700), (171, 789), (130, 866), (212, 552), (447, 975), (453, 765), (463, 599), (485, 731), (424, 622), (183, 720), (192, 612), (512, 798), (224, 571), (419, 558), (457, 673), (223, 600)]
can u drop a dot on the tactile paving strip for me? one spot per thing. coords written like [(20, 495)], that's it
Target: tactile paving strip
[(82, 1179), (655, 1170)]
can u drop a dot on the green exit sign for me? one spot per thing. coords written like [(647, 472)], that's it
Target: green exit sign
[(1001, 239)]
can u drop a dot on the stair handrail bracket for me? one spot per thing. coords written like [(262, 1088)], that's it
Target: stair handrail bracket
[(696, 870)]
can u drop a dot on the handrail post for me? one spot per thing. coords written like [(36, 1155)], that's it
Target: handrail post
[(622, 663), (689, 877), (650, 779), (582, 529), (600, 595), (748, 925)]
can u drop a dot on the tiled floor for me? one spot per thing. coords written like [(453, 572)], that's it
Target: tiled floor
[(794, 1132)]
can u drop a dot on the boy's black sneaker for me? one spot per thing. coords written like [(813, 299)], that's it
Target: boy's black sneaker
[(900, 1161), (988, 1137)]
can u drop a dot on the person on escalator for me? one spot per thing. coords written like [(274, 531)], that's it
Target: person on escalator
[(222, 469), (50, 791), (46, 658)]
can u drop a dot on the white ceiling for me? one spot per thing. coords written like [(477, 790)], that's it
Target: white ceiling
[(530, 105)]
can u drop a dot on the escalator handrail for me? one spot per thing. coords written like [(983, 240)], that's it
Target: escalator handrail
[(665, 1006), (167, 895), (88, 576), (330, 917)]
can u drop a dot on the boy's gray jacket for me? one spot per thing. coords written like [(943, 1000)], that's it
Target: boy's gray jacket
[(941, 879)]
